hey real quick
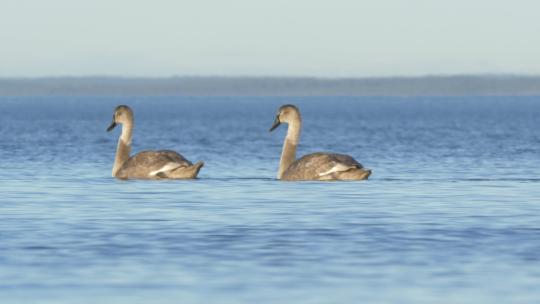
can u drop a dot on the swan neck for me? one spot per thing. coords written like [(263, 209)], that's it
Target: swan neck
[(123, 149), (288, 155)]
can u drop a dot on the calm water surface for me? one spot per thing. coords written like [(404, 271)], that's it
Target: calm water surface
[(450, 215)]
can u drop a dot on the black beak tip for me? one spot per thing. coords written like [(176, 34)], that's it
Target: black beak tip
[(274, 126), (111, 127)]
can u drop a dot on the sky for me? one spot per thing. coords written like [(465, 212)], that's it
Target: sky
[(335, 38)]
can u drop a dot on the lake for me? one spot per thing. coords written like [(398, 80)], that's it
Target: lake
[(451, 213)]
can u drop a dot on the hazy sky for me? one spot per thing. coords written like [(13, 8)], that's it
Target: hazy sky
[(335, 38)]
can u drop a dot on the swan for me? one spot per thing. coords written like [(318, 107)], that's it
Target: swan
[(316, 166), (147, 164)]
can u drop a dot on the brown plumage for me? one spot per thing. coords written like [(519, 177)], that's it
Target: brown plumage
[(316, 166), (146, 164), (320, 166), (141, 165)]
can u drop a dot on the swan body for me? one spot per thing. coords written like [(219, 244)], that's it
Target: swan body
[(316, 166), (325, 166), (164, 164), (158, 164)]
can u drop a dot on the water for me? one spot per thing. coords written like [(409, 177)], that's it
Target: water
[(451, 213)]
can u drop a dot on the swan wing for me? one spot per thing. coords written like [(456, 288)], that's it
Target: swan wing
[(320, 166), (150, 164)]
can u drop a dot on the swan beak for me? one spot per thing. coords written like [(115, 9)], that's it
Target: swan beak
[(113, 124), (276, 124)]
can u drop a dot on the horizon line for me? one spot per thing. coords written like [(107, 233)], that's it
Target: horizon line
[(411, 76)]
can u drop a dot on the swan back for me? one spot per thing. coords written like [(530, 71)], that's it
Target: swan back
[(325, 166), (152, 164)]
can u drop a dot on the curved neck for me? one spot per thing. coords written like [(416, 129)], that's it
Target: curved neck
[(124, 147), (288, 155)]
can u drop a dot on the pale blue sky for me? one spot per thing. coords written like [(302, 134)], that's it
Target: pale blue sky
[(337, 38)]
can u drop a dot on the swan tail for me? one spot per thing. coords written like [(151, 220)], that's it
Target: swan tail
[(354, 174), (186, 172)]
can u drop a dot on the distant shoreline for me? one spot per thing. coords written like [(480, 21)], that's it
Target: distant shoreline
[(273, 86)]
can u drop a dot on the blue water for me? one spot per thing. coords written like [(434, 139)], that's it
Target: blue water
[(451, 213)]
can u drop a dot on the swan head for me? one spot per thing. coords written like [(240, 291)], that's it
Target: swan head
[(286, 114), (122, 114)]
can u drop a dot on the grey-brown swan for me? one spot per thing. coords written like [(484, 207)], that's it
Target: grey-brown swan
[(147, 164), (316, 166)]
